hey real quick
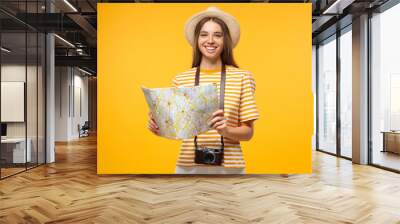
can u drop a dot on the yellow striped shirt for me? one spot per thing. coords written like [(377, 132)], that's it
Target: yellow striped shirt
[(239, 106)]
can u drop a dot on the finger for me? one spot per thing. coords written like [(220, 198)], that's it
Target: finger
[(218, 124), (214, 120), (154, 126), (150, 126), (153, 123), (220, 127), (152, 129), (218, 112)]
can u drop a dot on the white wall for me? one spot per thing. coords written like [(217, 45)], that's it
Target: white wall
[(80, 84), (71, 87), (62, 80), (12, 73), (33, 127), (12, 101)]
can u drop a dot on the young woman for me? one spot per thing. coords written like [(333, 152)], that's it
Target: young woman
[(213, 34)]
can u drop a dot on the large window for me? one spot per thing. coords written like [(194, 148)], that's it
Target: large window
[(385, 88), (327, 95), (346, 93), (334, 58)]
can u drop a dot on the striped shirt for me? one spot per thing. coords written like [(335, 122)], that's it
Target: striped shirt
[(239, 106)]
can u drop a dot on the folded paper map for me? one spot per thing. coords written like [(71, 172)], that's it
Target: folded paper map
[(183, 112)]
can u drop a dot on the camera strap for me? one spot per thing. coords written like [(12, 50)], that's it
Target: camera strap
[(221, 95)]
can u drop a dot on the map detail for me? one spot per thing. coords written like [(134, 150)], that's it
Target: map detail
[(182, 112)]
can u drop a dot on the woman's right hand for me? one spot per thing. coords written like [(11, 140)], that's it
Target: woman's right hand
[(152, 125)]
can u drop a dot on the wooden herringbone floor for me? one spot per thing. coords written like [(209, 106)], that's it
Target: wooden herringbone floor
[(69, 191)]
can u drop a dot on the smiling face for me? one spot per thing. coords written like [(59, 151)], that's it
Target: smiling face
[(211, 40)]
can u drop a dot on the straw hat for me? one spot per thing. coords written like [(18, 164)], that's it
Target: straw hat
[(230, 21)]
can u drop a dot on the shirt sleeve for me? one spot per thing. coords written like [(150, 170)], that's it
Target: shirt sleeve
[(248, 109), (175, 82)]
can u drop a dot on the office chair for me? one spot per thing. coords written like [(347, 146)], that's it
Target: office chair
[(84, 130)]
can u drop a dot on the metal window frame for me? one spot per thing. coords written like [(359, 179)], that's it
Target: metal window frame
[(339, 32), (387, 5)]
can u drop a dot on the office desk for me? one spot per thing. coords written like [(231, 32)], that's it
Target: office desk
[(13, 150), (391, 141)]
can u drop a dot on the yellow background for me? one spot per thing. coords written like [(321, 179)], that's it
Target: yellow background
[(144, 44)]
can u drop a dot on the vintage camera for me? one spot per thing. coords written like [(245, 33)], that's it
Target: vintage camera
[(209, 156)]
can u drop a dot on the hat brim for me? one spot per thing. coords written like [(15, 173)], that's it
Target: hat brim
[(230, 21)]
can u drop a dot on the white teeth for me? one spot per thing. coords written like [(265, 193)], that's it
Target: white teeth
[(211, 49)]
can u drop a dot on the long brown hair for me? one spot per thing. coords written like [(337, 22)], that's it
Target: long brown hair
[(227, 50)]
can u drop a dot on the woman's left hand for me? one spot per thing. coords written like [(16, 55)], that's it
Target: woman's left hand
[(218, 122)]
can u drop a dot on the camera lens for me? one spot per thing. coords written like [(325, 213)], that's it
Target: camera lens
[(209, 157)]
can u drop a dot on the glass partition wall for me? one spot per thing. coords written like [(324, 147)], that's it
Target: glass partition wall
[(13, 109), (22, 88)]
